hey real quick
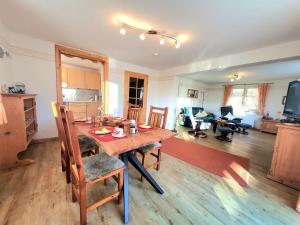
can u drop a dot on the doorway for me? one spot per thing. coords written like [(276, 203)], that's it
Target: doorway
[(135, 93)]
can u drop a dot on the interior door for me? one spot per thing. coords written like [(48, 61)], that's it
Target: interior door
[(135, 93)]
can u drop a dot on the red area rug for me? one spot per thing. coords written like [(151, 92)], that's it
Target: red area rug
[(214, 161)]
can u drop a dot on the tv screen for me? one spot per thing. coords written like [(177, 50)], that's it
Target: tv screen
[(292, 103)]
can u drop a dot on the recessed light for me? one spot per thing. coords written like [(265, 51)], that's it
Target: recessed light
[(155, 54)]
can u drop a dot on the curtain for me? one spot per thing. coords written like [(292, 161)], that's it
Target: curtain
[(227, 93), (262, 95), (3, 118)]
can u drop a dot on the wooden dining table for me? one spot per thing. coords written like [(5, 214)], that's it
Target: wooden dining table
[(124, 147)]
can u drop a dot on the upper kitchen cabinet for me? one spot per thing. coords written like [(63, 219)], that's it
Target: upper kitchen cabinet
[(76, 78), (64, 77), (92, 80)]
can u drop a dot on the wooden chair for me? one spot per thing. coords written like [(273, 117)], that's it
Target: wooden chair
[(87, 145), (157, 118), (90, 170), (134, 113)]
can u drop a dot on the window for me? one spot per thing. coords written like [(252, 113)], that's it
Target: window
[(244, 100), (136, 91)]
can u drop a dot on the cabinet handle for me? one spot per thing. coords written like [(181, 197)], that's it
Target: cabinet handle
[(7, 133)]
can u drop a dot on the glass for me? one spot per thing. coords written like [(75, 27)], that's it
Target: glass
[(140, 83), (132, 93), (132, 82), (132, 101)]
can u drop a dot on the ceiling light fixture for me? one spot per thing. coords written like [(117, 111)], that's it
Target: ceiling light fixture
[(147, 30), (142, 37), (122, 31), (235, 77)]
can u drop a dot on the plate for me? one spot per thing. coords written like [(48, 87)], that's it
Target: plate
[(118, 135), (145, 126), (102, 131)]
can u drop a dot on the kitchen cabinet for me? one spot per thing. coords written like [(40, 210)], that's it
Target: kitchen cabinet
[(92, 108), (92, 80), (76, 78), (64, 77)]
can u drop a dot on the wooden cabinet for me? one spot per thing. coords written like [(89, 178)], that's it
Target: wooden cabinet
[(285, 165), (92, 80), (269, 126), (17, 134), (76, 78), (79, 78), (83, 110), (92, 108)]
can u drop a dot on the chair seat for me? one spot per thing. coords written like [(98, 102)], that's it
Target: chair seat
[(86, 144), (147, 148), (99, 165), (224, 129)]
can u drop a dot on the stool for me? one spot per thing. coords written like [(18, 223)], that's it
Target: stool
[(242, 128)]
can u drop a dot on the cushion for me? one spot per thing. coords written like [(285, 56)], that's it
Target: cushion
[(147, 148), (201, 114), (100, 165), (86, 143), (229, 116)]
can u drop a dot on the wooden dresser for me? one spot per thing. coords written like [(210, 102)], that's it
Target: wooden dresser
[(285, 167), (17, 134), (269, 126)]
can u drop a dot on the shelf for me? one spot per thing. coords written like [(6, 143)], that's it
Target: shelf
[(27, 125), (27, 110)]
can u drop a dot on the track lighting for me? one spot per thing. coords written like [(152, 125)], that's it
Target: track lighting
[(134, 25), (235, 77)]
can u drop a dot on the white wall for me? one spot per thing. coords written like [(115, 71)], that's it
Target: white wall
[(5, 63), (32, 62)]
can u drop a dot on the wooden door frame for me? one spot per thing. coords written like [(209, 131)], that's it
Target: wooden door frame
[(128, 74), (68, 51)]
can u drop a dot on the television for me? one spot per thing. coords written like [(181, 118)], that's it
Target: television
[(292, 101)]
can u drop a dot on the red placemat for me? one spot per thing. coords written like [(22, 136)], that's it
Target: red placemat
[(106, 137)]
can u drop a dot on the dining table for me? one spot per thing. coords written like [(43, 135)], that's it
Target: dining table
[(125, 147)]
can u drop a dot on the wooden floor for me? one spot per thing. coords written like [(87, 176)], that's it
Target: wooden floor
[(37, 194)]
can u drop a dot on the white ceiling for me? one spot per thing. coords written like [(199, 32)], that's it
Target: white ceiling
[(251, 73), (213, 27)]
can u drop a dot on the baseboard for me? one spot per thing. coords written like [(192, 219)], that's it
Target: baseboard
[(42, 140)]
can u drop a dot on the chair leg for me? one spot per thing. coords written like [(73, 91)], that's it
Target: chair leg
[(120, 185), (158, 159), (62, 155), (82, 202), (97, 150), (143, 163), (68, 168), (74, 198)]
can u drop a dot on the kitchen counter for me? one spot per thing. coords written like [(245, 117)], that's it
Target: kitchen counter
[(81, 101)]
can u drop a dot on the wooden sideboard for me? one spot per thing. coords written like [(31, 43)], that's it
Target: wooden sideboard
[(18, 132), (269, 126), (285, 167)]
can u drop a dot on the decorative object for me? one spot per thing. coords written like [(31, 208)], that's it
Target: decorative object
[(191, 93), (144, 30)]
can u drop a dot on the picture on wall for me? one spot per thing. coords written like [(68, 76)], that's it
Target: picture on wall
[(192, 93)]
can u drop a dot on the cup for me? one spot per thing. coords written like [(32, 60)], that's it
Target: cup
[(119, 131)]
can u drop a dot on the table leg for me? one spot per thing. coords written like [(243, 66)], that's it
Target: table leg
[(136, 163), (124, 158)]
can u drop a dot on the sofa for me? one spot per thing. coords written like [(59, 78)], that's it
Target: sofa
[(188, 118)]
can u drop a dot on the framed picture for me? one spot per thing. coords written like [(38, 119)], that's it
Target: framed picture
[(192, 93)]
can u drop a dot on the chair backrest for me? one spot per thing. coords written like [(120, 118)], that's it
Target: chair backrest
[(73, 143), (60, 126), (226, 109), (158, 117), (134, 113)]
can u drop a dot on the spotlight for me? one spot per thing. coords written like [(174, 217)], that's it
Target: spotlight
[(142, 37), (177, 44), (122, 31), (162, 41)]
